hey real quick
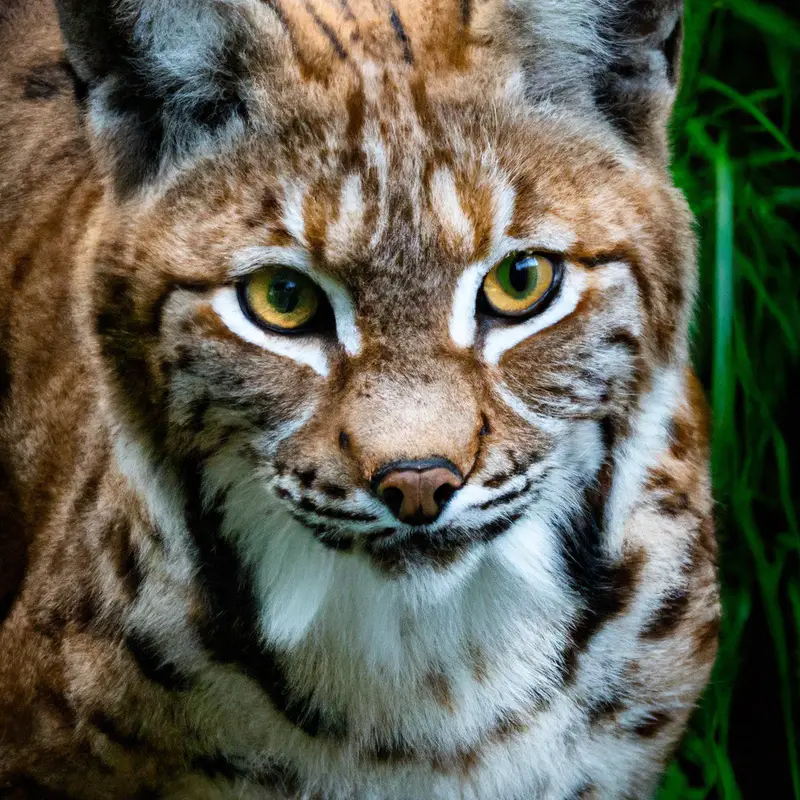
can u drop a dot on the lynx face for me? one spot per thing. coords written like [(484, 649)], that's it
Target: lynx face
[(401, 318)]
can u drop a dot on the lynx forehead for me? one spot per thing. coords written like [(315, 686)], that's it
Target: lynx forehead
[(348, 421)]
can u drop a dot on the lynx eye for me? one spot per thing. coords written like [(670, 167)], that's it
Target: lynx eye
[(280, 299), (520, 283)]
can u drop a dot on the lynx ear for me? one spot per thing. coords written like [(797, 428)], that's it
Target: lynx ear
[(164, 77), (622, 57)]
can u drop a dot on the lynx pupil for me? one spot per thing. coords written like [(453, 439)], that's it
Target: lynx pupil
[(519, 274), (284, 293)]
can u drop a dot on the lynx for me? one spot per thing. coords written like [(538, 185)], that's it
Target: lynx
[(349, 446)]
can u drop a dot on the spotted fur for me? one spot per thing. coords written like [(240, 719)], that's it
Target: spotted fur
[(200, 594)]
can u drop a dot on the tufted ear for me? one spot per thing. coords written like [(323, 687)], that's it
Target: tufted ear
[(164, 77), (621, 57)]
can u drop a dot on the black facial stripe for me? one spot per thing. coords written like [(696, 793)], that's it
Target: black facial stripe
[(342, 544), (275, 776), (372, 539), (216, 765), (496, 481), (507, 497), (306, 504), (610, 257), (606, 586), (669, 614), (497, 527), (466, 12), (518, 469), (333, 491), (624, 339), (335, 541), (46, 81), (299, 710), (652, 724), (582, 543), (197, 413)]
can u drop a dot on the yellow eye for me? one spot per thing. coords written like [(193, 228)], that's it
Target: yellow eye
[(518, 283), (280, 298)]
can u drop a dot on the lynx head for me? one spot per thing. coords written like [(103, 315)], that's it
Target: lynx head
[(384, 283)]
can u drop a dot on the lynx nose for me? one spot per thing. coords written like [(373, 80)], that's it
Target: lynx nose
[(417, 491)]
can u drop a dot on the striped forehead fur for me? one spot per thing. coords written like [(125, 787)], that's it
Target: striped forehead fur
[(224, 63)]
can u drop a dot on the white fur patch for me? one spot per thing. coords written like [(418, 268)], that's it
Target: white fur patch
[(540, 421), (445, 202), (648, 437), (250, 259), (342, 231), (344, 311), (293, 218)]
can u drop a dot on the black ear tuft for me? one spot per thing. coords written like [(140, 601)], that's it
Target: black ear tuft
[(620, 57), (164, 77), (637, 87)]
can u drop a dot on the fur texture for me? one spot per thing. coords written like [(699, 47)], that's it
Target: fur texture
[(200, 595)]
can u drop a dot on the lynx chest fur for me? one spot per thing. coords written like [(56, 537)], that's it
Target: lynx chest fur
[(348, 442)]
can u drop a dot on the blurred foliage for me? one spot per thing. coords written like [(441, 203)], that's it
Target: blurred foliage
[(736, 157)]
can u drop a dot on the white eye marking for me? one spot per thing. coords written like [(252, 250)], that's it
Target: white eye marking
[(553, 235), (250, 259), (462, 318), (226, 304), (500, 340), (444, 197), (344, 312)]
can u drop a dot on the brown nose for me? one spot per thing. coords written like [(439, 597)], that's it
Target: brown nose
[(417, 491)]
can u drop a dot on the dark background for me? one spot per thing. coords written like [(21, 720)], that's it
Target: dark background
[(736, 141)]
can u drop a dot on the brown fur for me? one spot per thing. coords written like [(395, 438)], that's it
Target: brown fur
[(104, 303)]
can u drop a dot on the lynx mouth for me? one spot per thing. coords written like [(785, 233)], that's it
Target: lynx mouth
[(397, 549)]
